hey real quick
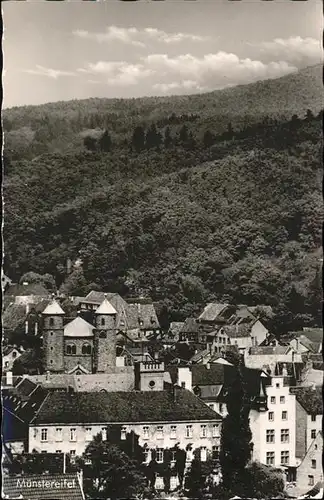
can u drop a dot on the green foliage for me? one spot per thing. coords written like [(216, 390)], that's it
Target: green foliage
[(47, 280), (198, 475)]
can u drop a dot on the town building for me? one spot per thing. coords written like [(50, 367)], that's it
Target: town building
[(9, 356), (274, 428), (310, 471)]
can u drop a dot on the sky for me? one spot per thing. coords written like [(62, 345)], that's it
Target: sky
[(57, 51)]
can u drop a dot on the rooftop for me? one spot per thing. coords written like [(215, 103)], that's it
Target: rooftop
[(269, 350), (106, 308), (212, 311), (78, 328), (53, 309), (105, 407), (238, 330)]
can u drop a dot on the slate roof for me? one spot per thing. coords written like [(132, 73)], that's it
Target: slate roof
[(95, 297), (53, 308), (105, 407), (313, 334), (212, 311), (122, 380), (30, 289), (78, 328), (142, 316), (208, 392), (202, 375), (105, 308), (311, 399), (199, 355), (12, 489)]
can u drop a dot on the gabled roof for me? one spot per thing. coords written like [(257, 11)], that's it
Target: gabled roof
[(29, 487), (237, 331), (53, 309), (105, 407), (313, 334), (199, 355), (310, 398), (210, 374), (142, 316), (268, 350), (78, 328), (95, 297), (212, 311), (105, 308), (30, 289), (190, 326)]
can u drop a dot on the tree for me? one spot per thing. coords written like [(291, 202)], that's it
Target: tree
[(138, 139), (153, 138), (167, 138), (263, 482), (46, 280), (198, 474), (208, 139), (184, 135), (74, 284), (109, 472), (236, 446), (105, 142), (90, 143)]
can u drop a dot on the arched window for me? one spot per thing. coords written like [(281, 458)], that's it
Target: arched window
[(70, 349), (51, 321), (102, 321), (103, 335), (86, 349)]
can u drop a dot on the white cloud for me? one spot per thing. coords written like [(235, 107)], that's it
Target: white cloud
[(138, 38), (214, 70), (48, 72), (118, 72), (183, 85), (295, 49)]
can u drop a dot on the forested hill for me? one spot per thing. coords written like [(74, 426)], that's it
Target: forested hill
[(59, 127), (186, 216)]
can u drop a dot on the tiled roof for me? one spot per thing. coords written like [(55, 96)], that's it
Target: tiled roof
[(105, 407), (53, 308), (121, 380), (78, 328), (106, 308), (209, 391), (310, 398), (142, 316), (25, 387), (237, 331), (190, 326), (31, 289), (199, 355), (212, 311), (95, 297), (313, 334), (31, 487)]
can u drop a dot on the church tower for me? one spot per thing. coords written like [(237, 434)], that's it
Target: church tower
[(53, 337), (105, 338)]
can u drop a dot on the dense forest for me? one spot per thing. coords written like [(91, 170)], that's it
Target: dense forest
[(184, 199)]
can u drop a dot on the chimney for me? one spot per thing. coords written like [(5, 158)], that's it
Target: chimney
[(208, 366), (9, 378), (36, 328)]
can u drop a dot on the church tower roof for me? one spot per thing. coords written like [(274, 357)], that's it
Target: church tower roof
[(106, 308), (53, 309)]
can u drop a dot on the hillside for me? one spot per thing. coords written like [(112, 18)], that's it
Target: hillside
[(58, 127), (236, 220)]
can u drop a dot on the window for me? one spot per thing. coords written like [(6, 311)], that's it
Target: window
[(284, 415), (14, 354), (311, 480), (58, 451), (102, 321), (173, 455), (221, 407), (282, 399), (58, 434), (6, 364), (228, 341), (215, 452), (270, 458), (270, 436), (211, 405), (73, 434), (104, 433), (271, 416), (72, 456), (313, 418), (189, 455), (103, 335), (70, 349), (313, 433), (203, 431), (51, 321), (285, 435), (43, 434), (159, 455), (88, 431), (145, 432), (284, 458), (203, 453), (273, 400), (188, 431), (86, 349), (216, 430), (173, 433), (313, 464), (277, 385), (123, 433), (159, 432), (183, 385)]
